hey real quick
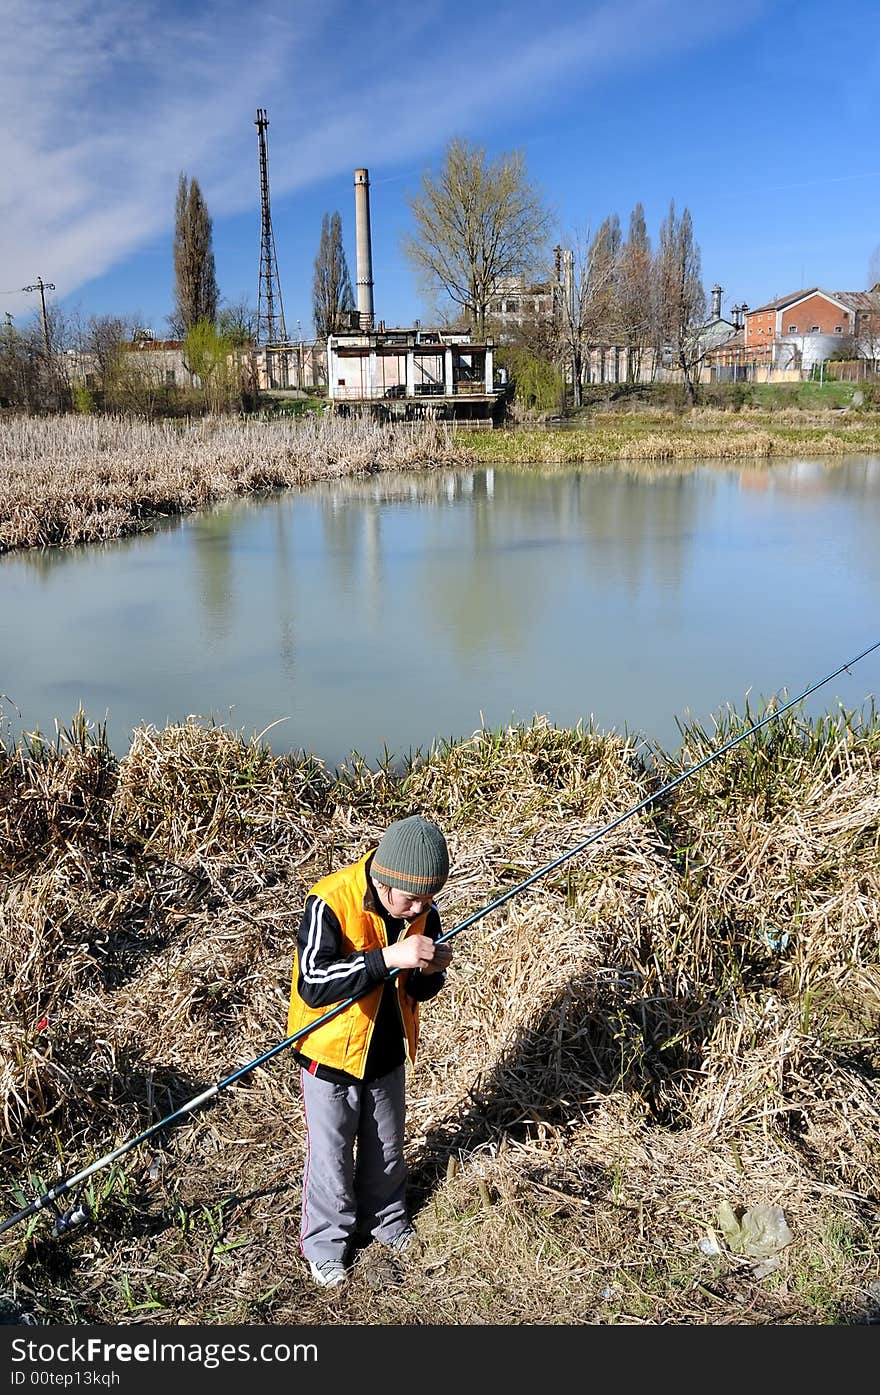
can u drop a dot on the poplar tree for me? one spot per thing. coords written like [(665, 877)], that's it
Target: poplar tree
[(604, 263), (195, 281), (331, 288), (681, 298), (634, 299)]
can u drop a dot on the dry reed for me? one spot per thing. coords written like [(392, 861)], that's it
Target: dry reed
[(66, 480)]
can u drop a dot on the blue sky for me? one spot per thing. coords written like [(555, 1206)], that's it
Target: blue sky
[(759, 116)]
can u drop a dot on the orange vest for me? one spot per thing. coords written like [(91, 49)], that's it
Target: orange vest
[(344, 1040)]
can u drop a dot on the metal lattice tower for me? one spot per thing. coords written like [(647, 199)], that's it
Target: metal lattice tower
[(271, 328)]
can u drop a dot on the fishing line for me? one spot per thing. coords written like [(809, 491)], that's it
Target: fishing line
[(80, 1212)]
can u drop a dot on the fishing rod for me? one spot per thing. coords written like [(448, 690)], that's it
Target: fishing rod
[(77, 1214)]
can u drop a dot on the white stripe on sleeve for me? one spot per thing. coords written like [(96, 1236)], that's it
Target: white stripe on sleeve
[(341, 970)]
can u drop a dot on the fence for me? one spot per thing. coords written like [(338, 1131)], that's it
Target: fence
[(857, 370)]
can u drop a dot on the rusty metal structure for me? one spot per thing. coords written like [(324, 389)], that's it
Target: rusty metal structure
[(271, 328)]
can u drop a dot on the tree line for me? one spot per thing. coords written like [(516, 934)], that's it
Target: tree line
[(624, 293), (85, 364), (476, 222), (479, 222)]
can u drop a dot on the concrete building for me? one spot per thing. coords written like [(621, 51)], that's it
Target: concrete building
[(516, 302), (162, 359), (438, 367), (300, 367), (154, 363)]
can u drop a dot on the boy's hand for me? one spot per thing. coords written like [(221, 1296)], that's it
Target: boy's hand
[(418, 952)]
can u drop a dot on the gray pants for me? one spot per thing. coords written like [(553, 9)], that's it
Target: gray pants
[(355, 1175)]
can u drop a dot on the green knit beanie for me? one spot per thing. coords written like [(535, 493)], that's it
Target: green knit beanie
[(412, 856)]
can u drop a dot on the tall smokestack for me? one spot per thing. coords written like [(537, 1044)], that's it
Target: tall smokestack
[(364, 248), (716, 302)]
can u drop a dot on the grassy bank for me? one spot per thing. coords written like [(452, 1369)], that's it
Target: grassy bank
[(665, 436), (676, 1027), (70, 480)]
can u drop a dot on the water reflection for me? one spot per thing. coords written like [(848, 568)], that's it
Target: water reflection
[(393, 610)]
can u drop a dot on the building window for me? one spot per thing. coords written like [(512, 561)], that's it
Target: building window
[(838, 329), (814, 329), (792, 329)]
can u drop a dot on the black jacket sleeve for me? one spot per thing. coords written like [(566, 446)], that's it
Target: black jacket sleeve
[(422, 987), (326, 975)]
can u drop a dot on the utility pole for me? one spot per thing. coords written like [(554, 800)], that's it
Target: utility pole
[(43, 286)]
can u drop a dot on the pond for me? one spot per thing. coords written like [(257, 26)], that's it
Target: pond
[(381, 614)]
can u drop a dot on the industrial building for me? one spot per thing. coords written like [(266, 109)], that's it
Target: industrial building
[(792, 335), (405, 370)]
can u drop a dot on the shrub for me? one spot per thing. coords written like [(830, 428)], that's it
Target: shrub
[(83, 399)]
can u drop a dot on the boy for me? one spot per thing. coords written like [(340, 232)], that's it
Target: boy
[(359, 924)]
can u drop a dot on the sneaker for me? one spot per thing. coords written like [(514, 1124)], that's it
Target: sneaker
[(328, 1273), (404, 1242)]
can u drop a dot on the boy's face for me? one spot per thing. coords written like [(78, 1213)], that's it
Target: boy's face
[(401, 903)]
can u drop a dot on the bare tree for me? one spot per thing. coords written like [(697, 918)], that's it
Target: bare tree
[(866, 342), (634, 299), (475, 222), (586, 301), (238, 322), (21, 365), (105, 345), (868, 318), (112, 368), (34, 363), (331, 288), (238, 325), (680, 297), (195, 281)]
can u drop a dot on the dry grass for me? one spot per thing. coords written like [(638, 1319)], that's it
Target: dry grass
[(683, 1016), (67, 480)]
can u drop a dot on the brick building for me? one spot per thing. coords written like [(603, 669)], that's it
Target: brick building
[(805, 312), (794, 333)]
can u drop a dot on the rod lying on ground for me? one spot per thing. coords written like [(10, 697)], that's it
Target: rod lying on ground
[(78, 1214)]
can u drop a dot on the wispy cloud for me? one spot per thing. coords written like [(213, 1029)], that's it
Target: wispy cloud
[(103, 103)]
